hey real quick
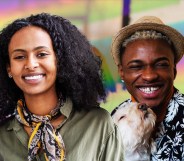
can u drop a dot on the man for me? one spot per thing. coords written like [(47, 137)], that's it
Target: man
[(146, 54)]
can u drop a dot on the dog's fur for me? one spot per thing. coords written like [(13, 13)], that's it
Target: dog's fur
[(136, 123)]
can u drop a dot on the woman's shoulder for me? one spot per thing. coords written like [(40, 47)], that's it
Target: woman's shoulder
[(100, 113), (96, 119), (100, 117), (4, 132), (6, 126)]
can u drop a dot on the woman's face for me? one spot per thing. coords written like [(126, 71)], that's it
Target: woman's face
[(32, 61), (148, 71)]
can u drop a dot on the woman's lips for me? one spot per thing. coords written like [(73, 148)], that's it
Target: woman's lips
[(33, 78)]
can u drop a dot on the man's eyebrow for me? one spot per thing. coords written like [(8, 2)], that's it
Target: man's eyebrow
[(161, 59)]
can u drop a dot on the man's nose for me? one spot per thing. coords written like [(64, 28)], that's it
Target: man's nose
[(149, 74)]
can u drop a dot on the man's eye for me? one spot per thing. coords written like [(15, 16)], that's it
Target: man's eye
[(135, 67), (162, 65)]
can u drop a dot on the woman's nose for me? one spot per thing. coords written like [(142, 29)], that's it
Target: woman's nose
[(31, 64)]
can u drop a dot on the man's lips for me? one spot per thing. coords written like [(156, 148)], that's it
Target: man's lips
[(149, 90)]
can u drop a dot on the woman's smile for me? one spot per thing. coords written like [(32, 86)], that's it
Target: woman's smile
[(33, 78)]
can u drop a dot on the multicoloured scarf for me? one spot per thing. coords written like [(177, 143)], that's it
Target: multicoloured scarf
[(43, 134)]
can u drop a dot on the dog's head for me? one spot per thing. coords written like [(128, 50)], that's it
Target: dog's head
[(136, 122)]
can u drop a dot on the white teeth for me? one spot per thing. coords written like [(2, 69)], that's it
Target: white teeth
[(34, 77), (149, 90)]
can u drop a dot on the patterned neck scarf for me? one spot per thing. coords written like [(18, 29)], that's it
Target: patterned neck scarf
[(43, 134)]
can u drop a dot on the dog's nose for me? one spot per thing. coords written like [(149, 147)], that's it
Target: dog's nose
[(142, 106)]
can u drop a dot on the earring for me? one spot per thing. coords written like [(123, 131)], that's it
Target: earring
[(9, 75), (123, 84)]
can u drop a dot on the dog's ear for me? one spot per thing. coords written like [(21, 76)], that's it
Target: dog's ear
[(153, 146), (113, 112)]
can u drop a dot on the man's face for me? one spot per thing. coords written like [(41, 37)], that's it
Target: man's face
[(148, 71)]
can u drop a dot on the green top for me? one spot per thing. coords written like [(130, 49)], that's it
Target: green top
[(88, 136)]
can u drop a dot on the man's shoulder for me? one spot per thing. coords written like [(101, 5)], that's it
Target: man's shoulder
[(177, 99)]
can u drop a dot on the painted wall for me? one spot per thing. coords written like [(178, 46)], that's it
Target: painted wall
[(99, 20)]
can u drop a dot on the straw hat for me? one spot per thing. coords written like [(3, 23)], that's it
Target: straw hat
[(148, 23)]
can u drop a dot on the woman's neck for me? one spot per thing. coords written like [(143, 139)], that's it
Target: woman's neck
[(41, 104)]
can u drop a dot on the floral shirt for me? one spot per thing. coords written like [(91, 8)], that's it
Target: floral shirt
[(170, 135)]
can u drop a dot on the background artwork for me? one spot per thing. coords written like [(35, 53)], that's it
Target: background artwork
[(99, 20)]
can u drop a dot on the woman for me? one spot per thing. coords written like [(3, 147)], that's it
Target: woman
[(50, 87)]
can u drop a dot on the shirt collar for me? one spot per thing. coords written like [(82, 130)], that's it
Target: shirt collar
[(14, 124), (66, 110)]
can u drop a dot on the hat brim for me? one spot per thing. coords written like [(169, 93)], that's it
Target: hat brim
[(176, 38)]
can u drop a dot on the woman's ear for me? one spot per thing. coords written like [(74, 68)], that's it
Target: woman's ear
[(120, 71), (8, 69)]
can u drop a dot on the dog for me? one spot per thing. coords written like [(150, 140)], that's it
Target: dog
[(136, 123)]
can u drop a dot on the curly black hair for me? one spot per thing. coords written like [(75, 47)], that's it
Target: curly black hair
[(78, 69)]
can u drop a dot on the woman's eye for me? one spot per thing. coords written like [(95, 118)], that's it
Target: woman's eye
[(42, 54), (19, 57)]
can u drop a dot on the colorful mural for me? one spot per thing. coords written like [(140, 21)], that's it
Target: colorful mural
[(99, 21)]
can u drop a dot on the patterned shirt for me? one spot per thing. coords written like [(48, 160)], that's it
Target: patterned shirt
[(170, 135)]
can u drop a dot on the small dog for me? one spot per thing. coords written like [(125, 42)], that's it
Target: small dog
[(136, 123)]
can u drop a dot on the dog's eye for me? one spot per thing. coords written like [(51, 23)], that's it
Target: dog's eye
[(122, 117)]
